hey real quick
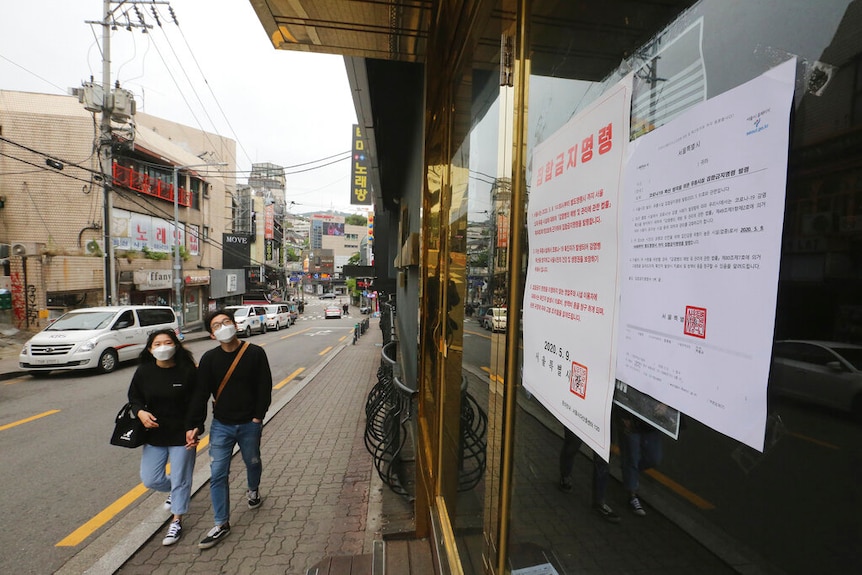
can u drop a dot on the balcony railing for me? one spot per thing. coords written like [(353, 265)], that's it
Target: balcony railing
[(144, 184)]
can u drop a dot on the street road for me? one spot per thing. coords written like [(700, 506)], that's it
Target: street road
[(58, 470)]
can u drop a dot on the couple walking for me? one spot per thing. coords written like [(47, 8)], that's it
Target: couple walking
[(169, 395)]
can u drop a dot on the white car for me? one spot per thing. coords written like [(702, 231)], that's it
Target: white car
[(277, 316), (249, 319), (95, 338), (826, 373)]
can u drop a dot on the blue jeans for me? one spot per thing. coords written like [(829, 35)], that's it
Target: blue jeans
[(179, 482), (223, 438), (639, 450)]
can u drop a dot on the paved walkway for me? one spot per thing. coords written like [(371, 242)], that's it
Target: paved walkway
[(322, 498)]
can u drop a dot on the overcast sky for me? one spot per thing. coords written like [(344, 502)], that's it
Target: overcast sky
[(216, 71)]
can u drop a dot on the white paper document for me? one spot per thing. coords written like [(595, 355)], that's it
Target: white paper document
[(702, 219), (570, 300)]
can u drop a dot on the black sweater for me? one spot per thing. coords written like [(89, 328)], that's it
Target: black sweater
[(248, 392), (167, 393)]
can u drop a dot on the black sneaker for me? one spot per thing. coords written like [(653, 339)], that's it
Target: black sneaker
[(253, 496), (606, 512), (636, 507), (174, 533), (215, 535), (566, 484)]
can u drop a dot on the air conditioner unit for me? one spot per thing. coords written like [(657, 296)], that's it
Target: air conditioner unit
[(22, 249)]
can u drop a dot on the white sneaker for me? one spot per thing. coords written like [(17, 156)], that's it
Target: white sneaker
[(167, 504), (253, 497), (174, 533)]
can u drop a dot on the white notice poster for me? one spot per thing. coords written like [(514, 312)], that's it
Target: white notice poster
[(571, 294), (703, 215)]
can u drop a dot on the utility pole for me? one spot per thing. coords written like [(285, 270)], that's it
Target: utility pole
[(106, 105), (105, 142)]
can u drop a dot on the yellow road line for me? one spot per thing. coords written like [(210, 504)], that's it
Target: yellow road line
[(295, 333), (111, 511), (16, 380), (342, 339), (287, 379), (690, 496), (493, 376), (814, 441), (28, 419), (325, 351)]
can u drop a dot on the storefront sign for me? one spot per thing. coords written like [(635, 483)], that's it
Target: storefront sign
[(199, 280), (153, 279)]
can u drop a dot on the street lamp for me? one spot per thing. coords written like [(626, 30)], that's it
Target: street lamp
[(177, 272)]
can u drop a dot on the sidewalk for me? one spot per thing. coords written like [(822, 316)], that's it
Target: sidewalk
[(320, 497)]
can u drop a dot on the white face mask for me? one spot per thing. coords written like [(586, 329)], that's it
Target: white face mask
[(225, 333), (164, 352)]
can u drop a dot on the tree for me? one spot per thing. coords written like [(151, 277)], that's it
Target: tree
[(355, 220), (354, 259)]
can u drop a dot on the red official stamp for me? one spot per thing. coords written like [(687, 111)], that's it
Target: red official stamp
[(578, 380), (695, 321)]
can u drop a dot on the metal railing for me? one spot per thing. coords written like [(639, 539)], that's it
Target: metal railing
[(387, 412), (388, 427), (359, 329)]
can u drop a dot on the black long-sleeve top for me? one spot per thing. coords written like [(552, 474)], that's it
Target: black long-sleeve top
[(248, 392), (168, 393)]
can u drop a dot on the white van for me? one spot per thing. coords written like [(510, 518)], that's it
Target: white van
[(95, 338), (277, 316)]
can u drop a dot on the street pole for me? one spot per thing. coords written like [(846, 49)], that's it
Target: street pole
[(105, 150), (178, 303), (177, 269)]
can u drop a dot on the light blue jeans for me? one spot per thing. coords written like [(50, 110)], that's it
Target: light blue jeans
[(179, 482), (223, 438)]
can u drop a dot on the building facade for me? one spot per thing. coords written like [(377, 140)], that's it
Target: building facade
[(53, 217), (455, 97)]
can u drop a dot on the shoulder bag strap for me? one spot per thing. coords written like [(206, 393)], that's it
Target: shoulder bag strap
[(230, 371)]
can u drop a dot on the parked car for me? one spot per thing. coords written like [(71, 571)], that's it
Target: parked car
[(277, 316), (94, 338), (825, 373), (327, 295), (332, 311), (249, 319), (495, 319)]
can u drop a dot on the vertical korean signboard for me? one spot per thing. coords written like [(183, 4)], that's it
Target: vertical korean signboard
[(359, 193), (571, 294), (703, 216)]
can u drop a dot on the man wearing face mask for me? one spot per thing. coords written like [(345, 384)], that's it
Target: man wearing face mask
[(240, 402)]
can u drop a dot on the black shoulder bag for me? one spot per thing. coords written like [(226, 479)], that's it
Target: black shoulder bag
[(128, 429)]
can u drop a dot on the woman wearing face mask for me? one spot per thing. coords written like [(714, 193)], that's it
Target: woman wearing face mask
[(161, 393)]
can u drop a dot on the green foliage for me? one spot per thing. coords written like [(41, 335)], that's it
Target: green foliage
[(354, 259), (151, 255), (356, 220)]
